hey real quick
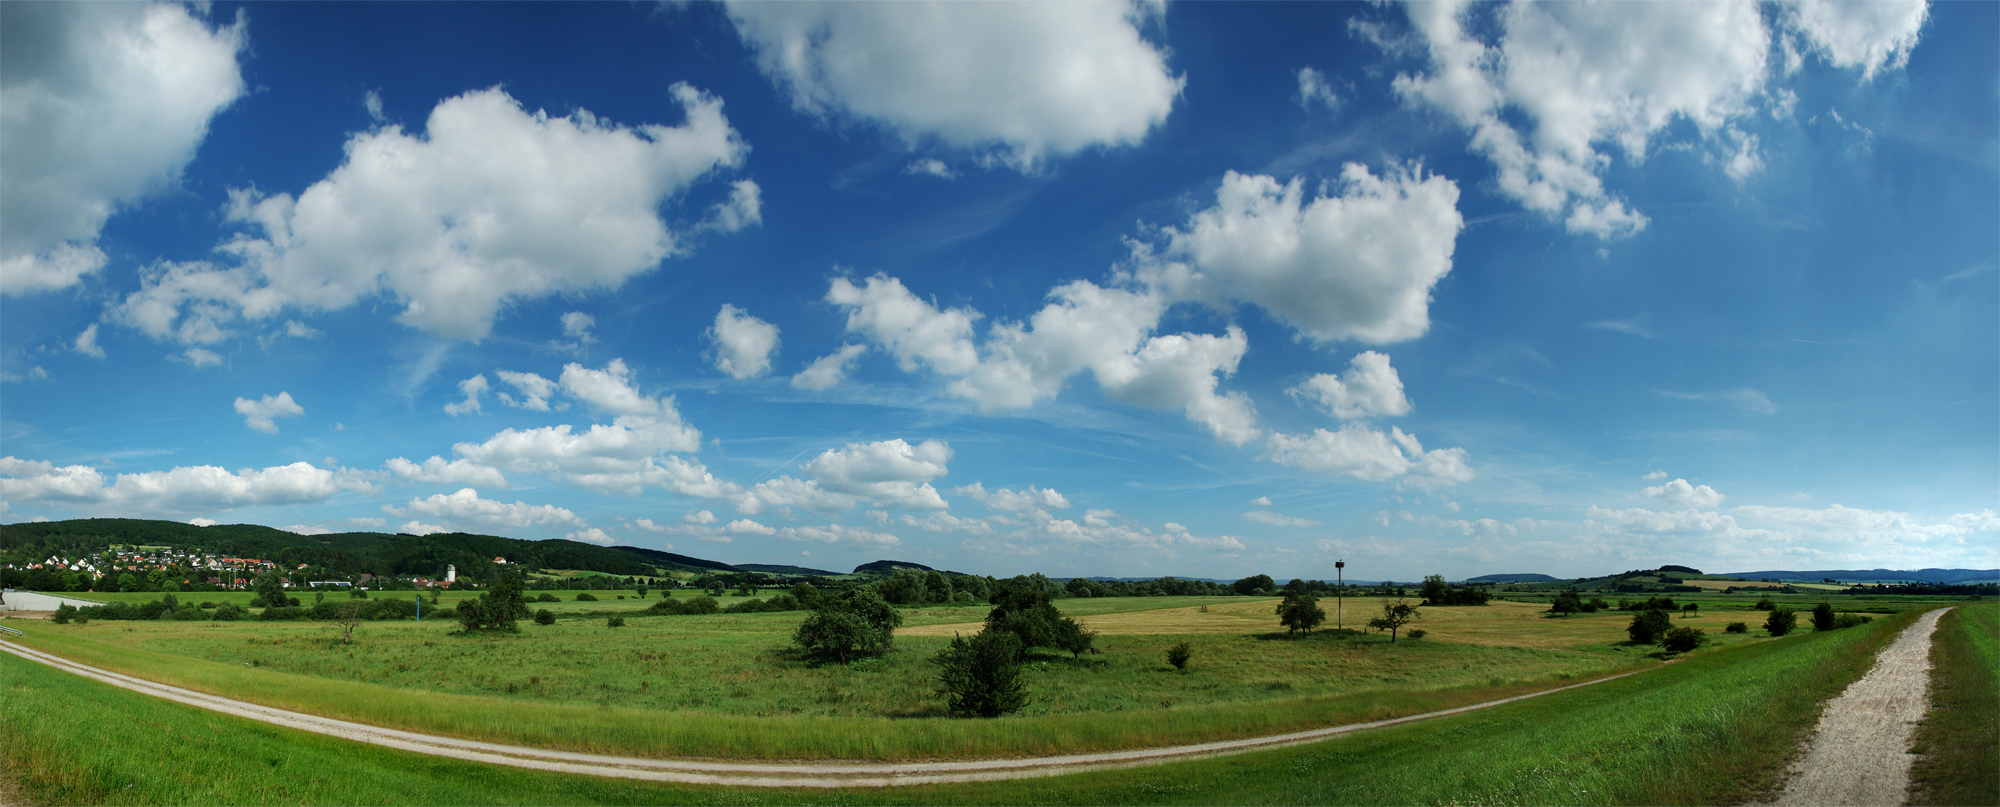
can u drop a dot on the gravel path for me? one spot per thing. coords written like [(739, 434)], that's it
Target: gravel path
[(1860, 750), (751, 774)]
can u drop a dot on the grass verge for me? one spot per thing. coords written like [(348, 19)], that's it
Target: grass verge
[(1958, 743)]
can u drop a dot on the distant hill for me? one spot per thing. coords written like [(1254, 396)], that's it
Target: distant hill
[(1948, 576), (889, 566), (672, 561), (344, 553), (767, 568), (1511, 578)]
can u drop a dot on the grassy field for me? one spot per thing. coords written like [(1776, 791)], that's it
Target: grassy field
[(1713, 729), (730, 685), (1958, 744)]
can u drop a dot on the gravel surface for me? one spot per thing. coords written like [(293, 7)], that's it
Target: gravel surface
[(724, 772), (1859, 753)]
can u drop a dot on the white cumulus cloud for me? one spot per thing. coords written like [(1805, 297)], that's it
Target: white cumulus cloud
[(743, 343), (258, 414), (1356, 265), (1370, 388), (105, 104), (188, 488), (466, 507), (1679, 493), (437, 470), (491, 204), (829, 370), (1363, 452), (1020, 81)]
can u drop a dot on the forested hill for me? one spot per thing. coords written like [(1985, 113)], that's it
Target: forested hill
[(338, 553)]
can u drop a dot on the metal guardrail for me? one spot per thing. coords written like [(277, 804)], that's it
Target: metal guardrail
[(10, 630)]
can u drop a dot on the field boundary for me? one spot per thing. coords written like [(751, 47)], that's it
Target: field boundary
[(745, 774)]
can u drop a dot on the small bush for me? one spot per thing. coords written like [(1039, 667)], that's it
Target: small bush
[(1736, 627), (545, 617), (1849, 621), (1179, 654), (615, 622), (547, 597), (1683, 639), (1417, 633), (586, 597), (1781, 622), (1765, 604), (1822, 617)]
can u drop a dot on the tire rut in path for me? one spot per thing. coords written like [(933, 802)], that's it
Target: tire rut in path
[(1860, 751), (742, 774)]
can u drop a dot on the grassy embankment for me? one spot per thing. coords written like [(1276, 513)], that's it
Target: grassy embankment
[(1958, 744), (730, 686), (1714, 728)]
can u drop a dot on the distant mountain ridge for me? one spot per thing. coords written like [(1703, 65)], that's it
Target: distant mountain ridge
[(1945, 576), (1511, 578), (890, 566)]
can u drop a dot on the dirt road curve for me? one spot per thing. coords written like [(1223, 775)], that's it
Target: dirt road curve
[(1860, 750), (746, 774)]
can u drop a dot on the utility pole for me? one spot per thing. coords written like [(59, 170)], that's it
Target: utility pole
[(1339, 592)]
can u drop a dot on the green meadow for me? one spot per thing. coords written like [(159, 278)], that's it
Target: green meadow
[(1713, 728)]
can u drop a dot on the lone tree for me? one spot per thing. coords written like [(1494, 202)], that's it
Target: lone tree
[(270, 590), (1029, 612), (981, 676), (1822, 617), (1300, 612), (497, 608), (1071, 636), (856, 623), (1780, 622), (1648, 626), (1690, 609), (348, 616), (1394, 616), (1566, 603)]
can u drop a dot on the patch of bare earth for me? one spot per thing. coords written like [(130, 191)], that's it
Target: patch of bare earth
[(1860, 751)]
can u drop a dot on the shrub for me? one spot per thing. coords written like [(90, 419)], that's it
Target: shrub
[(1596, 604), (1649, 626), (282, 614), (63, 614), (857, 622), (547, 597), (700, 605), (1736, 627), (586, 597), (1850, 620), (1566, 603), (615, 622), (545, 617), (1780, 622), (1765, 604), (1419, 633), (982, 676), (1822, 617), (1683, 639), (1179, 654)]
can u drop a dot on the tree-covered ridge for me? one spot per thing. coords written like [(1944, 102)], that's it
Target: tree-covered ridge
[(350, 553)]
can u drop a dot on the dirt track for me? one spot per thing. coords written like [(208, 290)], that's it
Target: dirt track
[(742, 774), (1860, 749)]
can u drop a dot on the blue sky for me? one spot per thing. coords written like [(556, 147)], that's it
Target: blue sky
[(1203, 289)]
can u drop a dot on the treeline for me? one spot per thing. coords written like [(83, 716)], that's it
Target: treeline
[(1928, 589)]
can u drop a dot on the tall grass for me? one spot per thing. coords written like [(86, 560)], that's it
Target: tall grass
[(1958, 743)]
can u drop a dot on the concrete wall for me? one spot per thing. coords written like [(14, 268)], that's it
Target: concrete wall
[(31, 601)]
